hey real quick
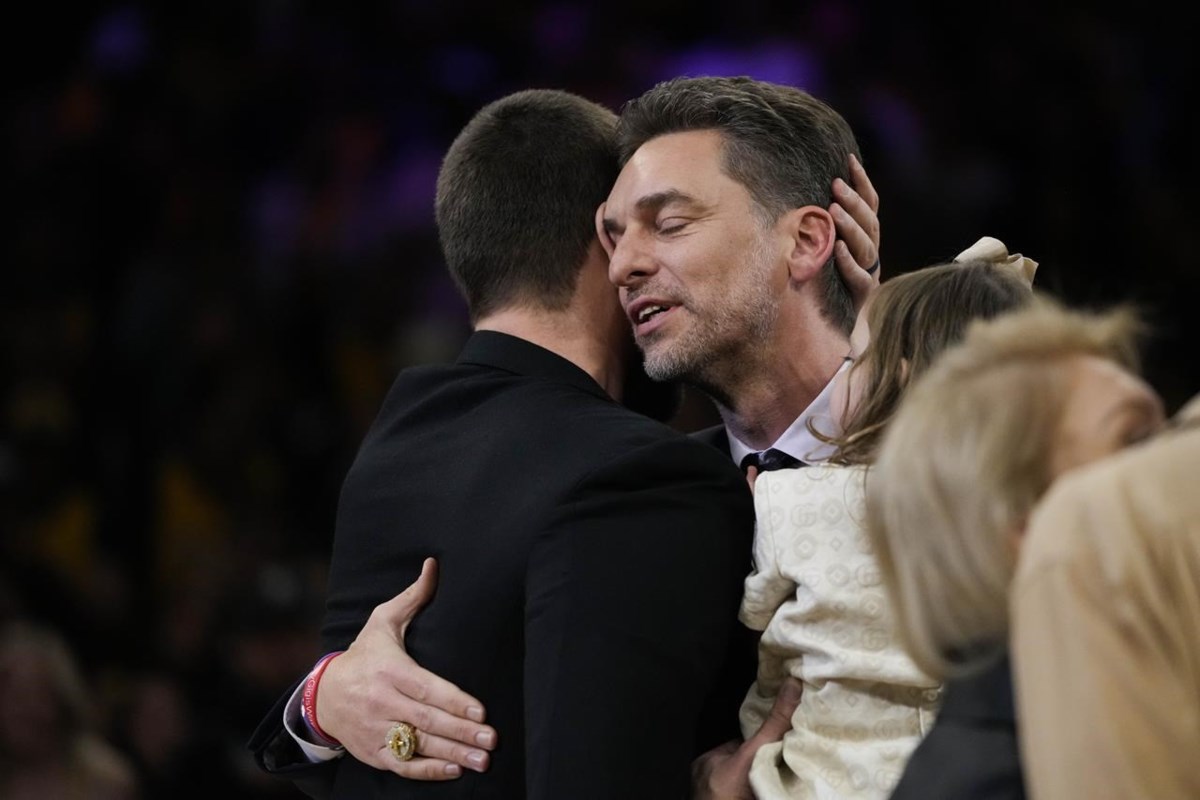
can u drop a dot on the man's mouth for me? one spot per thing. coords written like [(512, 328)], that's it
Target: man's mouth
[(649, 311), (647, 315)]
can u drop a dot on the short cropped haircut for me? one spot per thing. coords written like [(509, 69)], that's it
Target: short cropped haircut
[(961, 466), (913, 318), (517, 196), (782, 143)]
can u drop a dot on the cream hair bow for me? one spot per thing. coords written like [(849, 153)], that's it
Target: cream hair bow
[(993, 250)]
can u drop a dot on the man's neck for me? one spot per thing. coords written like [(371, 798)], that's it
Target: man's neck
[(764, 405), (772, 378), (562, 334)]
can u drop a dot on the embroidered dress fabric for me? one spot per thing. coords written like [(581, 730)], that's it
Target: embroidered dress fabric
[(817, 596)]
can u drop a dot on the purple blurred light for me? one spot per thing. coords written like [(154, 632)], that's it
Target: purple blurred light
[(785, 62), (119, 41)]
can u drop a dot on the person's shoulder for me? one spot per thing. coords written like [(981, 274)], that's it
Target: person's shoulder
[(1189, 414), (822, 479), (834, 474), (1128, 505), (648, 441), (611, 426), (714, 436), (625, 447), (1159, 472), (1055, 533), (815, 499)]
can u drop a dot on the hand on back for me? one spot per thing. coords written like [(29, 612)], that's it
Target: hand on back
[(365, 691)]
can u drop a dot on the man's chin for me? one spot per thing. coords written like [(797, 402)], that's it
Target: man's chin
[(659, 365)]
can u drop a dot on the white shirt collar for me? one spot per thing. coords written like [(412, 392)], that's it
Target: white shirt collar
[(797, 441)]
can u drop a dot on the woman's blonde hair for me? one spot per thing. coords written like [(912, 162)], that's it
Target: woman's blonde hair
[(961, 465), (913, 318)]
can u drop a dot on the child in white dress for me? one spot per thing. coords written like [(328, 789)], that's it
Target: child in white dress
[(815, 592)]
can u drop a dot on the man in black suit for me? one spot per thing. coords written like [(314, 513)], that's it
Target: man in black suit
[(590, 557), (806, 299)]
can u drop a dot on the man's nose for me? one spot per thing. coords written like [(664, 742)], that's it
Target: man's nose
[(631, 262)]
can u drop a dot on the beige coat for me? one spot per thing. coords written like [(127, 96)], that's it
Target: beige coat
[(1106, 628)]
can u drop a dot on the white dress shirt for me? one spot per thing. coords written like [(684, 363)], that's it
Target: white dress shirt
[(798, 441)]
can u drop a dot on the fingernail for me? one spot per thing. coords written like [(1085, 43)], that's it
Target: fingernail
[(839, 185), (485, 738), (453, 770), (475, 713), (476, 758)]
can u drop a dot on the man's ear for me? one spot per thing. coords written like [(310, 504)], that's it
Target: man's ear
[(601, 234), (811, 234)]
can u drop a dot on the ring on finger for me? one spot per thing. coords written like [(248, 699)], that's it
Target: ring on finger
[(402, 741)]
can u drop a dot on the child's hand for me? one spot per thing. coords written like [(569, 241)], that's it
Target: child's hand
[(751, 476)]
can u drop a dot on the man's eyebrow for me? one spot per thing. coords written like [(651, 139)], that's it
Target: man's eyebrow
[(653, 203)]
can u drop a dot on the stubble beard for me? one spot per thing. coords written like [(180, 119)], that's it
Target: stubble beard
[(714, 350)]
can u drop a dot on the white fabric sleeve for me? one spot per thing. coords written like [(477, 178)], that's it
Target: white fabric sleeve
[(766, 588), (292, 723)]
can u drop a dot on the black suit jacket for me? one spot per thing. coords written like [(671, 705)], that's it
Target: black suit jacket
[(971, 751), (715, 436), (590, 569)]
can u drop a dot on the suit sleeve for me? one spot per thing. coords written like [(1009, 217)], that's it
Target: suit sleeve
[(631, 603), (276, 752)]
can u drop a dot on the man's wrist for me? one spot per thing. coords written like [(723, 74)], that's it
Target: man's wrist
[(308, 703), (293, 723)]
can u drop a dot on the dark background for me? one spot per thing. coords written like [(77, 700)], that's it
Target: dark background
[(220, 251)]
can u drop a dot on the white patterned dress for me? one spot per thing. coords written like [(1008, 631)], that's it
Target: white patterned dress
[(817, 596)]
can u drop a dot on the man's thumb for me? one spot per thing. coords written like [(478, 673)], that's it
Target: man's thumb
[(401, 609), (779, 721)]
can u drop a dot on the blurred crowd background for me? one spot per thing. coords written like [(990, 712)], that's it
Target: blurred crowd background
[(221, 249)]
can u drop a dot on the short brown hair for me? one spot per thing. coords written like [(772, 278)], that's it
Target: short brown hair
[(782, 143), (517, 195)]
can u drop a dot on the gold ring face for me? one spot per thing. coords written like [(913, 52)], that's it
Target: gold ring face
[(402, 741)]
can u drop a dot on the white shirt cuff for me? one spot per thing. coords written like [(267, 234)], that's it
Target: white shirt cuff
[(292, 723)]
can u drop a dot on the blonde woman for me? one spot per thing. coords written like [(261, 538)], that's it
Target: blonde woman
[(815, 593), (973, 447)]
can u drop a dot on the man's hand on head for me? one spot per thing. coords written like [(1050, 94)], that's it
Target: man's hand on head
[(855, 211)]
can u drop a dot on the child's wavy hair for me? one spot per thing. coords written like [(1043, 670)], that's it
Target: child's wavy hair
[(912, 318)]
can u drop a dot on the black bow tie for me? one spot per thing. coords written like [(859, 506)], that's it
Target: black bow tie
[(770, 459)]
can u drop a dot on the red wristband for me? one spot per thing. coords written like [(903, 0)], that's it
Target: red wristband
[(308, 706)]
